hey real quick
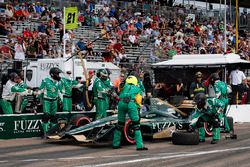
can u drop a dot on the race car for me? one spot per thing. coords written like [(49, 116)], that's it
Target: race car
[(158, 121)]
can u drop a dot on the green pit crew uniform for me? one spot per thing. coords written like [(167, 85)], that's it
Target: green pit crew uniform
[(10, 90), (128, 105), (24, 100), (212, 113), (65, 86), (220, 89), (50, 89), (100, 90), (109, 86)]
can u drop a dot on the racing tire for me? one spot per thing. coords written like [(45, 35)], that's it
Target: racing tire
[(230, 123), (129, 132), (185, 138), (80, 120), (208, 129)]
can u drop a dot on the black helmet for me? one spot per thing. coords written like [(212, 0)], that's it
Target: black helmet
[(200, 99), (103, 72), (54, 70), (108, 71), (215, 76), (54, 73)]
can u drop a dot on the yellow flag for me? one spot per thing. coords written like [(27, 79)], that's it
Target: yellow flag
[(71, 18)]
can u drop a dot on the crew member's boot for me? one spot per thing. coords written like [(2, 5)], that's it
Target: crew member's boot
[(202, 134), (216, 136), (139, 142), (117, 139), (45, 129)]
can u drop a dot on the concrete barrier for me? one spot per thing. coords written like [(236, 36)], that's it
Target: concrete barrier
[(240, 113)]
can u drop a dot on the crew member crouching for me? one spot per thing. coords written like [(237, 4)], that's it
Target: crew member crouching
[(207, 110)]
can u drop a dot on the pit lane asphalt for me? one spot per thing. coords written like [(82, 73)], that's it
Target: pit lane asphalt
[(34, 152)]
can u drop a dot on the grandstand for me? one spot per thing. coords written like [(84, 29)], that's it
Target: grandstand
[(147, 51)]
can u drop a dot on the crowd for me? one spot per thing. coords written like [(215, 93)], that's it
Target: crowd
[(171, 36), (121, 27), (33, 40)]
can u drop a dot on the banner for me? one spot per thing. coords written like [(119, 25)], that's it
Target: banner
[(71, 18), (30, 125)]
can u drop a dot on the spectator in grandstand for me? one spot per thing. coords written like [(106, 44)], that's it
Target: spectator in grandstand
[(35, 33), (58, 49), (81, 46), (125, 38), (133, 39), (9, 12), (27, 34), (31, 50), (158, 42), (38, 8), (25, 12), (6, 51), (112, 40), (8, 26), (90, 48), (42, 28), (122, 58), (45, 46), (107, 55), (3, 27), (19, 50), (18, 12), (67, 36), (117, 46), (50, 32), (51, 23), (104, 33)]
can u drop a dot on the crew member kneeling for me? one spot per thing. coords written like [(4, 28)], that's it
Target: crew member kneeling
[(207, 110)]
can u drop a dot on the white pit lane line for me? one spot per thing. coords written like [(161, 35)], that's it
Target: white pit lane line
[(3, 161), (30, 160), (166, 157), (158, 156)]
